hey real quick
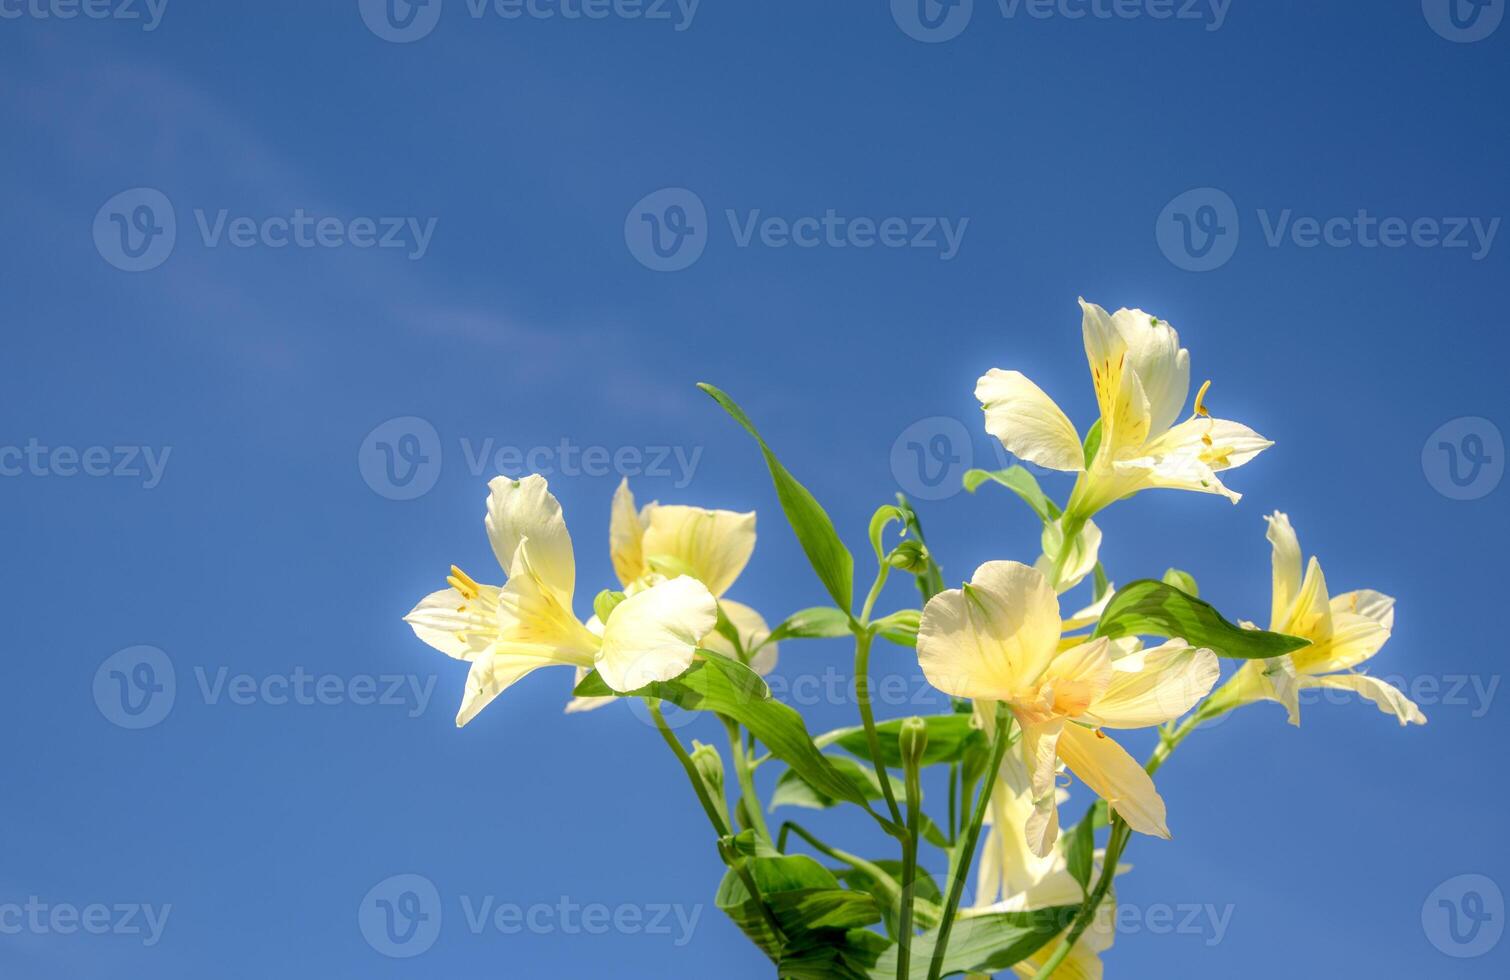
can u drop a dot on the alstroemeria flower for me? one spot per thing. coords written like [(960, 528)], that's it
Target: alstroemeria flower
[(1344, 632), (1141, 377), (507, 633), (713, 546), (999, 639), (1014, 879)]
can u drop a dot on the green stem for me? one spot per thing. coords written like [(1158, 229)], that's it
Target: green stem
[(748, 795), (909, 867), (868, 719), (953, 798), (1114, 847), (965, 853), (882, 879), (686, 761)]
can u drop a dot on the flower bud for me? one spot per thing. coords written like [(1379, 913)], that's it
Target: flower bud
[(913, 742), (910, 556), (605, 602)]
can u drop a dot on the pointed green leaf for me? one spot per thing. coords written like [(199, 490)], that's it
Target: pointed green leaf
[(1149, 608), (1021, 482), (1183, 581), (815, 531)]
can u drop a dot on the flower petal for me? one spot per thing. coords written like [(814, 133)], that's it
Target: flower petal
[(455, 626), (1116, 777), (1085, 551), (711, 545), (1167, 681), (1027, 421), (519, 509), (1162, 366), (994, 636), (625, 533), (1189, 456), (653, 635), (1287, 564), (1125, 411), (1039, 753), (493, 672), (1367, 603), (1389, 698), (752, 630), (1077, 677)]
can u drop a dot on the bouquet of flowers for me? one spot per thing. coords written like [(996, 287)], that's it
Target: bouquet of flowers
[(1036, 691)]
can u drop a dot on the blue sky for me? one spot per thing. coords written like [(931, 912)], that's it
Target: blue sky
[(192, 453)]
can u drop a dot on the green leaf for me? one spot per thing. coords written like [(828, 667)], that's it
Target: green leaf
[(1183, 581), (817, 918), (1021, 482), (792, 789), (901, 627), (1080, 852), (817, 622), (1092, 443), (982, 943), (815, 531), (949, 736), (730, 688), (1149, 608), (1101, 582)]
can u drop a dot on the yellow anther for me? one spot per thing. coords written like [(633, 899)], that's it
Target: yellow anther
[(462, 582), (1200, 400)]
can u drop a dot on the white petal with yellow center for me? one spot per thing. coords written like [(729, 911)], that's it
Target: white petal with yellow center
[(1027, 421), (993, 637), (653, 635)]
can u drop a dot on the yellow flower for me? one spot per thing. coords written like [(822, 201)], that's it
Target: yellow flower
[(507, 633), (999, 638), (1141, 376), (1344, 632), (1014, 879), (713, 546)]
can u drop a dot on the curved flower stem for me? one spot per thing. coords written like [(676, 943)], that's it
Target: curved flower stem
[(868, 719), (686, 761), (748, 795), (965, 852)]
